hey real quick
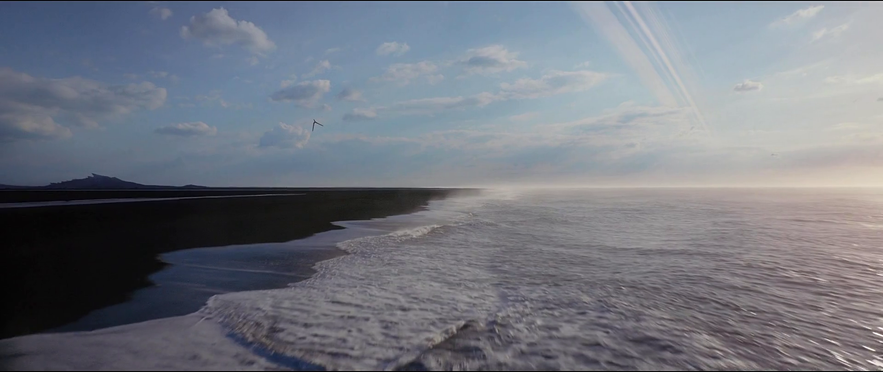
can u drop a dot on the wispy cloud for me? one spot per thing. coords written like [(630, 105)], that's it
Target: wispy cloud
[(163, 75), (803, 71), (194, 129), (332, 50), (855, 79), (285, 136), (349, 94), (490, 60), (161, 13), (404, 73), (748, 86), (525, 116), (292, 79), (829, 33), (553, 83), (321, 67), (550, 84), (360, 114), (304, 94), (392, 47), (800, 15)]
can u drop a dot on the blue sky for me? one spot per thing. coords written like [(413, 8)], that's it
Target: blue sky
[(442, 94)]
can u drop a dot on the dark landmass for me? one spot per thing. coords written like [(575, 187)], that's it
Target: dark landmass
[(58, 263), (97, 186), (97, 182)]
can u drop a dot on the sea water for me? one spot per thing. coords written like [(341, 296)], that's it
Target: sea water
[(578, 279)]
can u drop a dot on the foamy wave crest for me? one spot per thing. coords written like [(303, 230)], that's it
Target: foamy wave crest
[(372, 242), (387, 301)]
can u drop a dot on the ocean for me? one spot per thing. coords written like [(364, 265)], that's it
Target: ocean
[(570, 279)]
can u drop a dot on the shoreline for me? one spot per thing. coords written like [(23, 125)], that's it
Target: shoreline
[(30, 195), (61, 203), (61, 263), (199, 341), (192, 276)]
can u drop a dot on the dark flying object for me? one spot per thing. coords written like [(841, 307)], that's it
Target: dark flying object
[(314, 124)]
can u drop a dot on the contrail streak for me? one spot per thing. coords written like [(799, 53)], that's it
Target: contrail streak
[(668, 65)]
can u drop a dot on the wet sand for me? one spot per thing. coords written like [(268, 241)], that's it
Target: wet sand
[(59, 263)]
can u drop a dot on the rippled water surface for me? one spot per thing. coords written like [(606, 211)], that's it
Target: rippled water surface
[(595, 279)]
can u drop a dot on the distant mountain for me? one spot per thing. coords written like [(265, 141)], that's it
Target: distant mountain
[(97, 181)]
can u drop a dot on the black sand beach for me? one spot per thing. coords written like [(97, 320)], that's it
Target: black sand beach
[(59, 263)]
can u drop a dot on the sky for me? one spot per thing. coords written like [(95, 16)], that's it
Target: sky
[(443, 94)]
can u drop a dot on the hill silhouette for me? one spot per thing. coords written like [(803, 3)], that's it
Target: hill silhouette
[(99, 182)]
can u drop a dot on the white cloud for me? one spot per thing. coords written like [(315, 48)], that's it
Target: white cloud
[(217, 56), (131, 76), (321, 67), (424, 106), (553, 83), (285, 83), (193, 129), (797, 16), (249, 81), (825, 32), (525, 116), (392, 48), (285, 136), (332, 50), (253, 61), (162, 13), (349, 94), (434, 79), (326, 107), (803, 71), (360, 114), (304, 94), (585, 64), (214, 97), (163, 75), (855, 80), (748, 86), (431, 105), (30, 106), (211, 96), (628, 124), (217, 28), (490, 60), (403, 73)]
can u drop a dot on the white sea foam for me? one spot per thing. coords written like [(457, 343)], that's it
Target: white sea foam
[(378, 307), (180, 343)]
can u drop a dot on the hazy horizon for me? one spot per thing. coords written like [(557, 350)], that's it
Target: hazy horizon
[(490, 95)]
